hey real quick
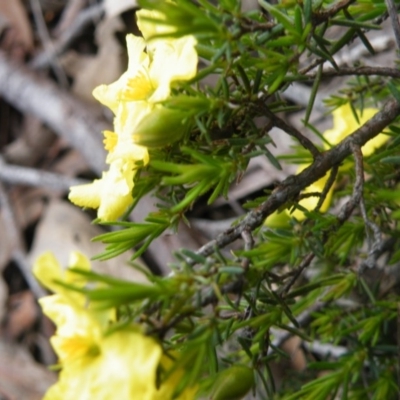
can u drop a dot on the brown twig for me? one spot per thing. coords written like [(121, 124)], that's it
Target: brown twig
[(283, 290), (329, 183), (46, 41), (348, 208), (248, 245), (86, 17), (303, 320), (358, 71), (292, 131), (392, 11), (69, 14), (376, 243), (324, 15)]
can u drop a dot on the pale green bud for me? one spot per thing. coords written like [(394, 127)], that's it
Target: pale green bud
[(161, 127), (233, 383)]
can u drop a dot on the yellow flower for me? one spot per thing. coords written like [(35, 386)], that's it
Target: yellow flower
[(146, 82), (121, 144), (309, 203), (47, 270), (344, 123), (174, 376), (111, 194), (133, 97), (95, 362), (97, 365), (150, 74), (150, 29)]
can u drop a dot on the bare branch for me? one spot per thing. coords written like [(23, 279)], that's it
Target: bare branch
[(46, 41), (358, 71), (248, 245), (84, 18), (327, 187), (392, 11), (292, 131), (376, 243)]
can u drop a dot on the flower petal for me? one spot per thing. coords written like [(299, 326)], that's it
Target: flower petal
[(128, 117), (87, 195), (345, 124), (47, 269), (150, 28), (111, 194), (125, 368), (77, 260), (111, 95), (137, 58), (173, 60), (77, 330)]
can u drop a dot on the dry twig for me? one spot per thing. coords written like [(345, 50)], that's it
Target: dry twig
[(85, 17)]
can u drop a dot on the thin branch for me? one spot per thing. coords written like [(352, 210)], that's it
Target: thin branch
[(46, 40), (303, 320), (292, 131), (327, 187), (86, 17), (348, 208), (376, 243), (308, 195), (284, 289), (248, 245), (230, 288), (358, 71), (324, 15), (392, 11)]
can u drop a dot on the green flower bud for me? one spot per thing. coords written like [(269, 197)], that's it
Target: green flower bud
[(195, 105), (233, 383), (161, 127)]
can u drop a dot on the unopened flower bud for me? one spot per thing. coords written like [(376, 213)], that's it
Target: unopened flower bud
[(233, 383), (161, 127)]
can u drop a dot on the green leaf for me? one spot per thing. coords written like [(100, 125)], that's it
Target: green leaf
[(282, 18), (354, 24), (391, 160), (313, 95), (395, 92), (298, 20), (234, 270)]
